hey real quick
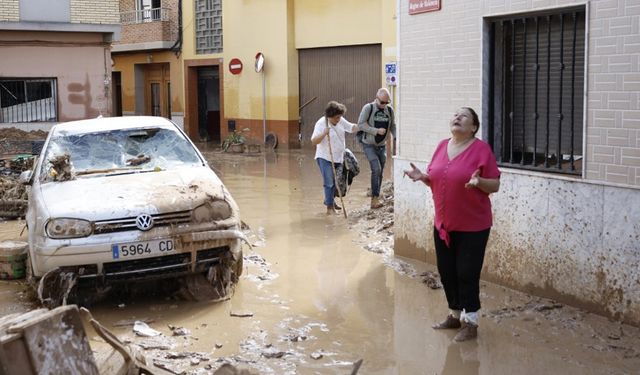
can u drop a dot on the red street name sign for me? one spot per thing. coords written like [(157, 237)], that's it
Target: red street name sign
[(421, 6), (235, 66)]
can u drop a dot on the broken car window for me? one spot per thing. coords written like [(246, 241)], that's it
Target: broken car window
[(117, 151)]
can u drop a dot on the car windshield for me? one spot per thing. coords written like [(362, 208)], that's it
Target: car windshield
[(115, 152)]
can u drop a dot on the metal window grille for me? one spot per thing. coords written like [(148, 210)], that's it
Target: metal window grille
[(208, 26), (145, 15), (28, 100), (536, 94)]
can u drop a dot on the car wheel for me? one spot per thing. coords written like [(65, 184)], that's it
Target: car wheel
[(217, 284)]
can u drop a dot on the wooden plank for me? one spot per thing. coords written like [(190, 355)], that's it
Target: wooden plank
[(10, 321), (14, 358), (58, 344)]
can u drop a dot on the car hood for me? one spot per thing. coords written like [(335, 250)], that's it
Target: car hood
[(119, 196)]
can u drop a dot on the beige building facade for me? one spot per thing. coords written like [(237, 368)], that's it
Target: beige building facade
[(557, 87), (302, 42), (147, 66), (55, 63)]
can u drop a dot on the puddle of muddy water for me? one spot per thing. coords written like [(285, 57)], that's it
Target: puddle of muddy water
[(319, 293)]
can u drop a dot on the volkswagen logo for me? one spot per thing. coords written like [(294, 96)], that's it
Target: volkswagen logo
[(144, 222)]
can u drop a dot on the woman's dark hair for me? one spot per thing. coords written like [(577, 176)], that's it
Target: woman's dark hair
[(334, 109), (474, 117)]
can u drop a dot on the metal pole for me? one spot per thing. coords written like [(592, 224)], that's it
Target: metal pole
[(335, 175), (264, 109)]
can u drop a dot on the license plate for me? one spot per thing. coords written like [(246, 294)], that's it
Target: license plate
[(142, 249)]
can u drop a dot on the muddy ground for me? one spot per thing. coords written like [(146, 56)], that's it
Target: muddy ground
[(321, 292)]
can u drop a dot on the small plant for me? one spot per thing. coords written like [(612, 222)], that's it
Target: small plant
[(234, 138)]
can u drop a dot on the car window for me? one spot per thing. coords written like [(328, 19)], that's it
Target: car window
[(119, 151)]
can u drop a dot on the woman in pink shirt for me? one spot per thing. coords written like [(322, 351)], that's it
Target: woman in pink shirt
[(462, 174)]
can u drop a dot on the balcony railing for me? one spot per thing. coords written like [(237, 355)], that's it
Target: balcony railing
[(145, 15)]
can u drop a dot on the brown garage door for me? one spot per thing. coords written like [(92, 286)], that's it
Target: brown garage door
[(350, 75)]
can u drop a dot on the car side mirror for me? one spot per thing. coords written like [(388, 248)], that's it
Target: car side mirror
[(25, 177)]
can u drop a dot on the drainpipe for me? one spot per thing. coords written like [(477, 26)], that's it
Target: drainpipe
[(177, 46)]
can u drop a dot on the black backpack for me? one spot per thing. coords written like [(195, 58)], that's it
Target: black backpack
[(360, 133)]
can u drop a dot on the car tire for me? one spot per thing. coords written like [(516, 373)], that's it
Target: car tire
[(216, 284)]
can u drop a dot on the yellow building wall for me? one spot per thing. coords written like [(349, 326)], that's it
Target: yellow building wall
[(250, 27), (125, 63)]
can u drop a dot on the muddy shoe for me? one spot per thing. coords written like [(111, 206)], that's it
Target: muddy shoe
[(450, 323), (467, 332), (376, 202), (336, 207), (331, 211)]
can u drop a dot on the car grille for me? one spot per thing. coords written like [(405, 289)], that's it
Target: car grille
[(147, 267), (162, 266), (129, 223)]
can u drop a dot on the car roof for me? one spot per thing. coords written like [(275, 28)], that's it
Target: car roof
[(102, 124)]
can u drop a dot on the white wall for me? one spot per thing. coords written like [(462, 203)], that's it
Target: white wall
[(574, 239)]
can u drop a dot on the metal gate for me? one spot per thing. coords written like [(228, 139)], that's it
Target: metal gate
[(350, 75)]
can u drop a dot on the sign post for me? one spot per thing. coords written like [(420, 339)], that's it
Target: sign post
[(260, 69)]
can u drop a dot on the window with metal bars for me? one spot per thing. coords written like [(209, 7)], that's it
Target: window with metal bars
[(28, 100), (536, 90)]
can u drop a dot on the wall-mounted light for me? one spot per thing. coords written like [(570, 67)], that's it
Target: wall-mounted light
[(149, 58)]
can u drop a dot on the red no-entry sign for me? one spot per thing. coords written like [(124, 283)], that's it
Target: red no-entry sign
[(235, 66)]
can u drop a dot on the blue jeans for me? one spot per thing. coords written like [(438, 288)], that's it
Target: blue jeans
[(327, 180), (377, 156)]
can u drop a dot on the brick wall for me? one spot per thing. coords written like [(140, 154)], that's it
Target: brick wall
[(441, 69), (150, 31), (95, 11), (613, 128), (9, 10)]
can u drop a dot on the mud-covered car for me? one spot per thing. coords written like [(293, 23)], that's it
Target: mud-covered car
[(121, 199)]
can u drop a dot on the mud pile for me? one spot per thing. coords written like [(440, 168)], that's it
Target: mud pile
[(15, 141), (15, 134)]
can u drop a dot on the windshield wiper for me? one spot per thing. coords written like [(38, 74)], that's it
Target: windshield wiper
[(109, 171)]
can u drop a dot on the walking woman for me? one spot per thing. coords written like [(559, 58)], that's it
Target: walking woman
[(461, 175), (331, 128)]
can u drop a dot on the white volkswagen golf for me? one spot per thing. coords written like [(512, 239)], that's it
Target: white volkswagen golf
[(129, 198)]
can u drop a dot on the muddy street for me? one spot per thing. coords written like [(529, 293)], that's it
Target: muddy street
[(318, 293)]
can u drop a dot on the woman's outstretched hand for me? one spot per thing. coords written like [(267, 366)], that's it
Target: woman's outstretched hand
[(415, 175), (474, 180)]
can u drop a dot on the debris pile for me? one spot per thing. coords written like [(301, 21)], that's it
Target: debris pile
[(15, 141), (13, 198), (61, 168)]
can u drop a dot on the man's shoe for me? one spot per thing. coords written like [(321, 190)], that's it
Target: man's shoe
[(336, 207), (467, 332), (376, 202), (449, 323)]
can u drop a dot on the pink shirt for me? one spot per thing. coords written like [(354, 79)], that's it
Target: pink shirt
[(458, 208)]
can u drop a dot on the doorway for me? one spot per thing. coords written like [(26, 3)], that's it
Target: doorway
[(157, 90), (349, 74), (116, 83), (209, 103)]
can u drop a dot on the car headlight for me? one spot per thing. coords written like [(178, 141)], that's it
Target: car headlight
[(212, 211), (68, 228)]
